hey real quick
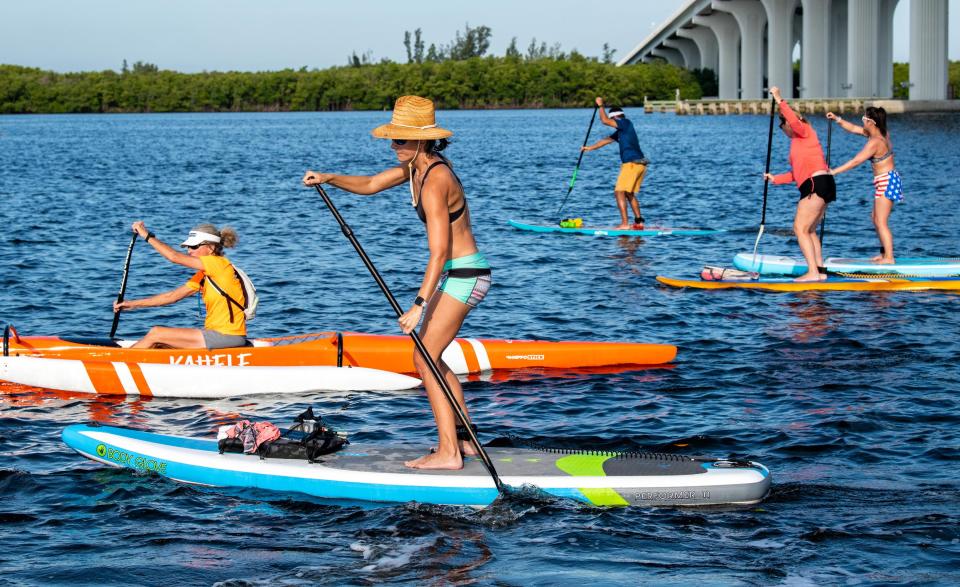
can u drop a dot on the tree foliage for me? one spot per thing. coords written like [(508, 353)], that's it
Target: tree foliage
[(457, 74), (476, 82)]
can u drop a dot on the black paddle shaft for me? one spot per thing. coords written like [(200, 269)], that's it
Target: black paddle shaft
[(123, 285), (434, 370), (576, 169), (766, 182), (823, 219)]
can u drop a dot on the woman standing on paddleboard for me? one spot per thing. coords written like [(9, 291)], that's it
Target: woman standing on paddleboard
[(457, 276), (215, 280), (809, 170), (887, 184)]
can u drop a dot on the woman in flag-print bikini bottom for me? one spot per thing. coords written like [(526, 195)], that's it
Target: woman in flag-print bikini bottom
[(887, 183)]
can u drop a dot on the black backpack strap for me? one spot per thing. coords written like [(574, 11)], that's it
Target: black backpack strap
[(230, 300)]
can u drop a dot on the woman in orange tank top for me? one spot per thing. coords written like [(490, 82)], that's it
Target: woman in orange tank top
[(225, 325)]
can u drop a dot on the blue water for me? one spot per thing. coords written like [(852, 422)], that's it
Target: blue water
[(849, 398)]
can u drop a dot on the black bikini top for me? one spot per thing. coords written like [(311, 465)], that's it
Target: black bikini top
[(453, 215)]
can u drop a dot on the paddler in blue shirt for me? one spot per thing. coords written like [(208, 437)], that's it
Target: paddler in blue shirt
[(633, 165)]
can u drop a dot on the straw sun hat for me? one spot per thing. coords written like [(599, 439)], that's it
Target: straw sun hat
[(413, 119)]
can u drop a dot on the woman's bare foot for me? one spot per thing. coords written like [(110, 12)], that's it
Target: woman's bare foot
[(624, 226), (466, 449), (879, 260), (810, 276), (437, 461)]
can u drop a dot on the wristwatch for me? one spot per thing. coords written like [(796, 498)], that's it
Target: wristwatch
[(418, 301), (149, 236)]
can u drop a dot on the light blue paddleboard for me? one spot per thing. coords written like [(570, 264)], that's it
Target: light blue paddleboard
[(377, 472), (611, 231), (914, 266)]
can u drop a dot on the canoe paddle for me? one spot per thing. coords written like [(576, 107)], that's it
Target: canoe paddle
[(348, 232), (766, 182), (123, 285), (573, 179), (823, 220)]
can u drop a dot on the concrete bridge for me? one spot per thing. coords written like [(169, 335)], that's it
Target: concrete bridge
[(846, 46)]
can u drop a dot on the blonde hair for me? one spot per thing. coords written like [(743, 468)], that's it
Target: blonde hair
[(228, 236)]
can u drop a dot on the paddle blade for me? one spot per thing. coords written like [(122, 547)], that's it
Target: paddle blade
[(756, 245)]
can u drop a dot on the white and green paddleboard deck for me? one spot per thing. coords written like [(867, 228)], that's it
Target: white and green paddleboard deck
[(905, 266), (377, 473)]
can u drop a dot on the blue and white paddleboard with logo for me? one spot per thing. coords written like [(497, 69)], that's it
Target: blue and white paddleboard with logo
[(613, 231), (377, 473), (906, 266)]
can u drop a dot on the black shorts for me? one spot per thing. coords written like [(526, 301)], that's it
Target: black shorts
[(822, 185)]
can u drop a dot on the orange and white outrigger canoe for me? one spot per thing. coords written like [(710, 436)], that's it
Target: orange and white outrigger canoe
[(287, 364)]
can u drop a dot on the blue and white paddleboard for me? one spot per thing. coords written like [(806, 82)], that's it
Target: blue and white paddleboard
[(912, 266), (611, 231), (377, 473)]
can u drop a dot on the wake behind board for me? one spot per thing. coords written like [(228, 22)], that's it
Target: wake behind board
[(912, 266), (862, 283), (376, 473), (612, 231)]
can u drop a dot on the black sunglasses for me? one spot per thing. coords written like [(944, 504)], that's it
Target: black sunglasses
[(399, 142), (195, 247)]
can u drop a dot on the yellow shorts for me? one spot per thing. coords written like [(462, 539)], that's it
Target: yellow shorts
[(630, 178)]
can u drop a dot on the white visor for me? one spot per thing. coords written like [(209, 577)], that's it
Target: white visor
[(617, 114), (198, 238)]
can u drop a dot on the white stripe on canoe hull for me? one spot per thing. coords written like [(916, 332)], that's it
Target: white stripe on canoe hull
[(197, 381), (66, 375), (481, 351), (126, 378), (454, 358)]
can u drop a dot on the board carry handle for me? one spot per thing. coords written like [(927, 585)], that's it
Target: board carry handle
[(434, 370)]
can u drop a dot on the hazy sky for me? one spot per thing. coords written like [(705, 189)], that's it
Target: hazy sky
[(249, 35)]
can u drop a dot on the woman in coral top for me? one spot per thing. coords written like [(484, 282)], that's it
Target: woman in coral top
[(809, 171)]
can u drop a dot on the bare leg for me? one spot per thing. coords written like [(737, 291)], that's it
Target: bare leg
[(817, 250), (635, 204), (809, 211), (178, 338), (881, 214), (622, 205), (444, 317)]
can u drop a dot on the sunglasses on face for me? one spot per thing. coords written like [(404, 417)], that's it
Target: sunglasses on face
[(399, 142), (194, 247)]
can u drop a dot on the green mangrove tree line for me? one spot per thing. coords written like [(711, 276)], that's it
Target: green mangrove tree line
[(458, 74), (477, 82)]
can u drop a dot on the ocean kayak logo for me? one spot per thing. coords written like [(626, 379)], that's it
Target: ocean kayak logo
[(525, 357), (131, 460)]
